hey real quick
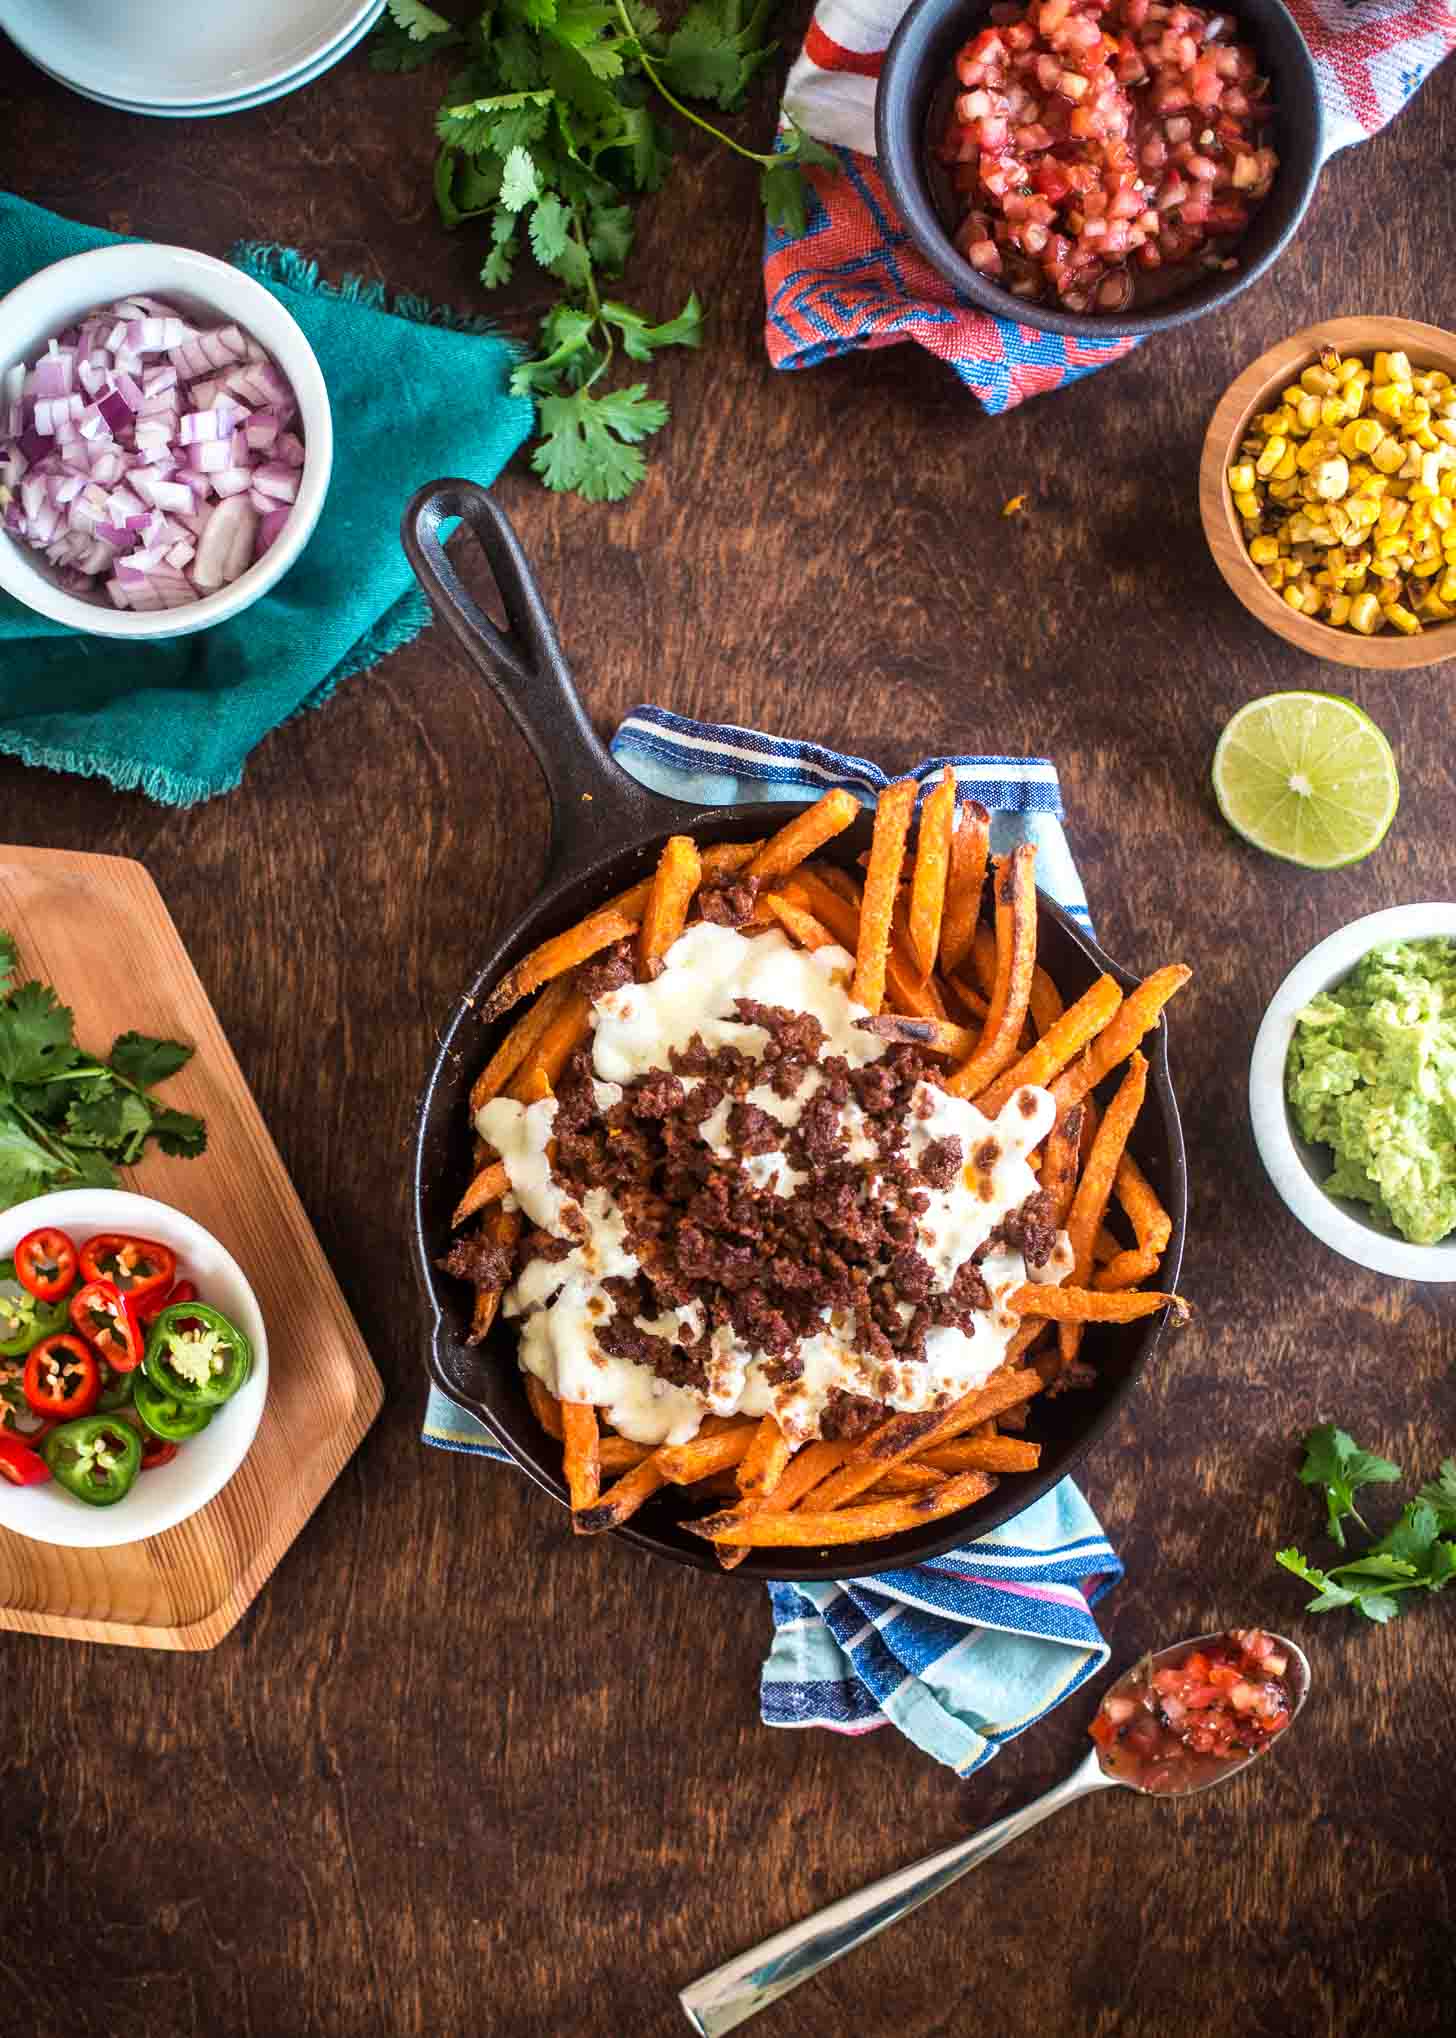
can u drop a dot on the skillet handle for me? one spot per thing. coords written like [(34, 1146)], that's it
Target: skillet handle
[(593, 801)]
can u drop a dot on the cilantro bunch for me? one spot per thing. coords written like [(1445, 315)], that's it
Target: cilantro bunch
[(68, 1119), (1419, 1553), (548, 132)]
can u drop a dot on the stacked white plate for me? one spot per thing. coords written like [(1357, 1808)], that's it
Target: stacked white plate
[(186, 59)]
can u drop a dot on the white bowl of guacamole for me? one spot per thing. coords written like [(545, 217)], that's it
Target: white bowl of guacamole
[(1352, 1091)]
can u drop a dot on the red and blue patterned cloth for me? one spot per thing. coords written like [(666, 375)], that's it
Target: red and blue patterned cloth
[(854, 279)]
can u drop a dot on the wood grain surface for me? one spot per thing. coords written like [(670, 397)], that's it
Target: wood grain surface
[(186, 1589), (457, 1773)]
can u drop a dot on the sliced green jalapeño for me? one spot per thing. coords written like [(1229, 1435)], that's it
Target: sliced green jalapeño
[(166, 1417), (97, 1458), (196, 1356)]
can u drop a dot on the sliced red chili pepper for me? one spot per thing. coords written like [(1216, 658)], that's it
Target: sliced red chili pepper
[(102, 1315), (20, 1464), (62, 1378), (156, 1451), (144, 1308), (134, 1266), (45, 1264)]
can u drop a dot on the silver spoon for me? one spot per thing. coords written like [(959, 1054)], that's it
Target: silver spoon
[(740, 1988)]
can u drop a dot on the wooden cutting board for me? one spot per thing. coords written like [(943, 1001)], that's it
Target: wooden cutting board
[(187, 1588)]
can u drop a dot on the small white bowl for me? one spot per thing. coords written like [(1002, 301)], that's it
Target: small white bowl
[(1297, 1169), (54, 298), (203, 1465)]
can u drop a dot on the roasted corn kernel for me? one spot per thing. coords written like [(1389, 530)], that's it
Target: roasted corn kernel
[(1346, 488)]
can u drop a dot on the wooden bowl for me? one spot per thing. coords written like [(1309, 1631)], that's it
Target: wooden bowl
[(1257, 389)]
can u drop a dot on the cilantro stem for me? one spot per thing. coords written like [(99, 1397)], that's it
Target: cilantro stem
[(749, 155)]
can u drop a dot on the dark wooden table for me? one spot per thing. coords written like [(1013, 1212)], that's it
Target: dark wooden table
[(458, 1773)]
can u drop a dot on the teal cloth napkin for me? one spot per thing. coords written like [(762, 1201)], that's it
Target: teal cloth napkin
[(413, 397)]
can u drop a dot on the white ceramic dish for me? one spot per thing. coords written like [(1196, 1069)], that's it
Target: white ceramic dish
[(176, 53), (57, 297), (213, 109), (1296, 1169), (205, 1463)]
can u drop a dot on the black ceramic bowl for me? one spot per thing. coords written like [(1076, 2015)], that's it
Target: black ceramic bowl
[(607, 832), (922, 56)]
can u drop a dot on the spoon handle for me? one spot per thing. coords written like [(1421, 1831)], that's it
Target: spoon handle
[(740, 1988)]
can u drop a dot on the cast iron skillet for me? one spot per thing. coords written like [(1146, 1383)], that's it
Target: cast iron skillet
[(606, 833)]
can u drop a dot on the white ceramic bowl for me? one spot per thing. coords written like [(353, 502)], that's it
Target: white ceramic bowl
[(54, 298), (1296, 1169), (204, 1464)]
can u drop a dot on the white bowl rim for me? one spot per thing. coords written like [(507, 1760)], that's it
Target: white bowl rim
[(1334, 1223), (244, 301), (98, 1528)]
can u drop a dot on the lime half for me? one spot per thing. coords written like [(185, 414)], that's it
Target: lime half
[(1306, 776)]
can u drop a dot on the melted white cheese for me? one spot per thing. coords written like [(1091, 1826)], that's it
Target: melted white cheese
[(635, 1030)]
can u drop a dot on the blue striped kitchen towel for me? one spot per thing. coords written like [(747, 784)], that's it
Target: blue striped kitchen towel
[(968, 1650)]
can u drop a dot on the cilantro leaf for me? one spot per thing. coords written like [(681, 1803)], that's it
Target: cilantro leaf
[(609, 239), (572, 332), (9, 961), (590, 444), (418, 21), (712, 55), (119, 1123), (1440, 1493), (1336, 1462), (144, 1061), (36, 1039), (179, 1133), (640, 341), (25, 1167), (501, 259), (519, 182), (550, 231)]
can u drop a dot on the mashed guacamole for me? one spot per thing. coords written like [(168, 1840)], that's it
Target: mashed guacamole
[(1372, 1075)]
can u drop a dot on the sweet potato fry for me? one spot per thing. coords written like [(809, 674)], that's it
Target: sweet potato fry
[(581, 1454), (930, 872), (1066, 1036), (797, 921), (1105, 1247), (905, 988), (1087, 1305), (983, 1454), (502, 1227), (764, 1461), (533, 1085), (840, 881), (981, 963), (488, 1187), (1137, 1014), (1015, 890), (554, 957), (905, 1436), (959, 997), (1060, 1162), (1089, 1205), (518, 1043), (620, 1502), (882, 880), (969, 846), (679, 870), (682, 1463), (1152, 1227), (936, 1036), (555, 1047), (1047, 1003), (851, 1524), (810, 891), (829, 816), (620, 1454), (545, 1407), (911, 1477)]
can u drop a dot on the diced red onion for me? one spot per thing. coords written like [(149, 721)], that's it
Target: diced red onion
[(157, 480)]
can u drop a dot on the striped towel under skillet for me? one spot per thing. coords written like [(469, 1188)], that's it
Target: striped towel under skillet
[(854, 279), (968, 1650)]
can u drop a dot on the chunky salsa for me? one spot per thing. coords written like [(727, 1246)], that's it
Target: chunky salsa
[(1094, 143), (1174, 1726)]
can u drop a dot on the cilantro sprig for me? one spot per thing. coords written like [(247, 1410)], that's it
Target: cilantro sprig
[(67, 1118), (1417, 1554), (548, 133)]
